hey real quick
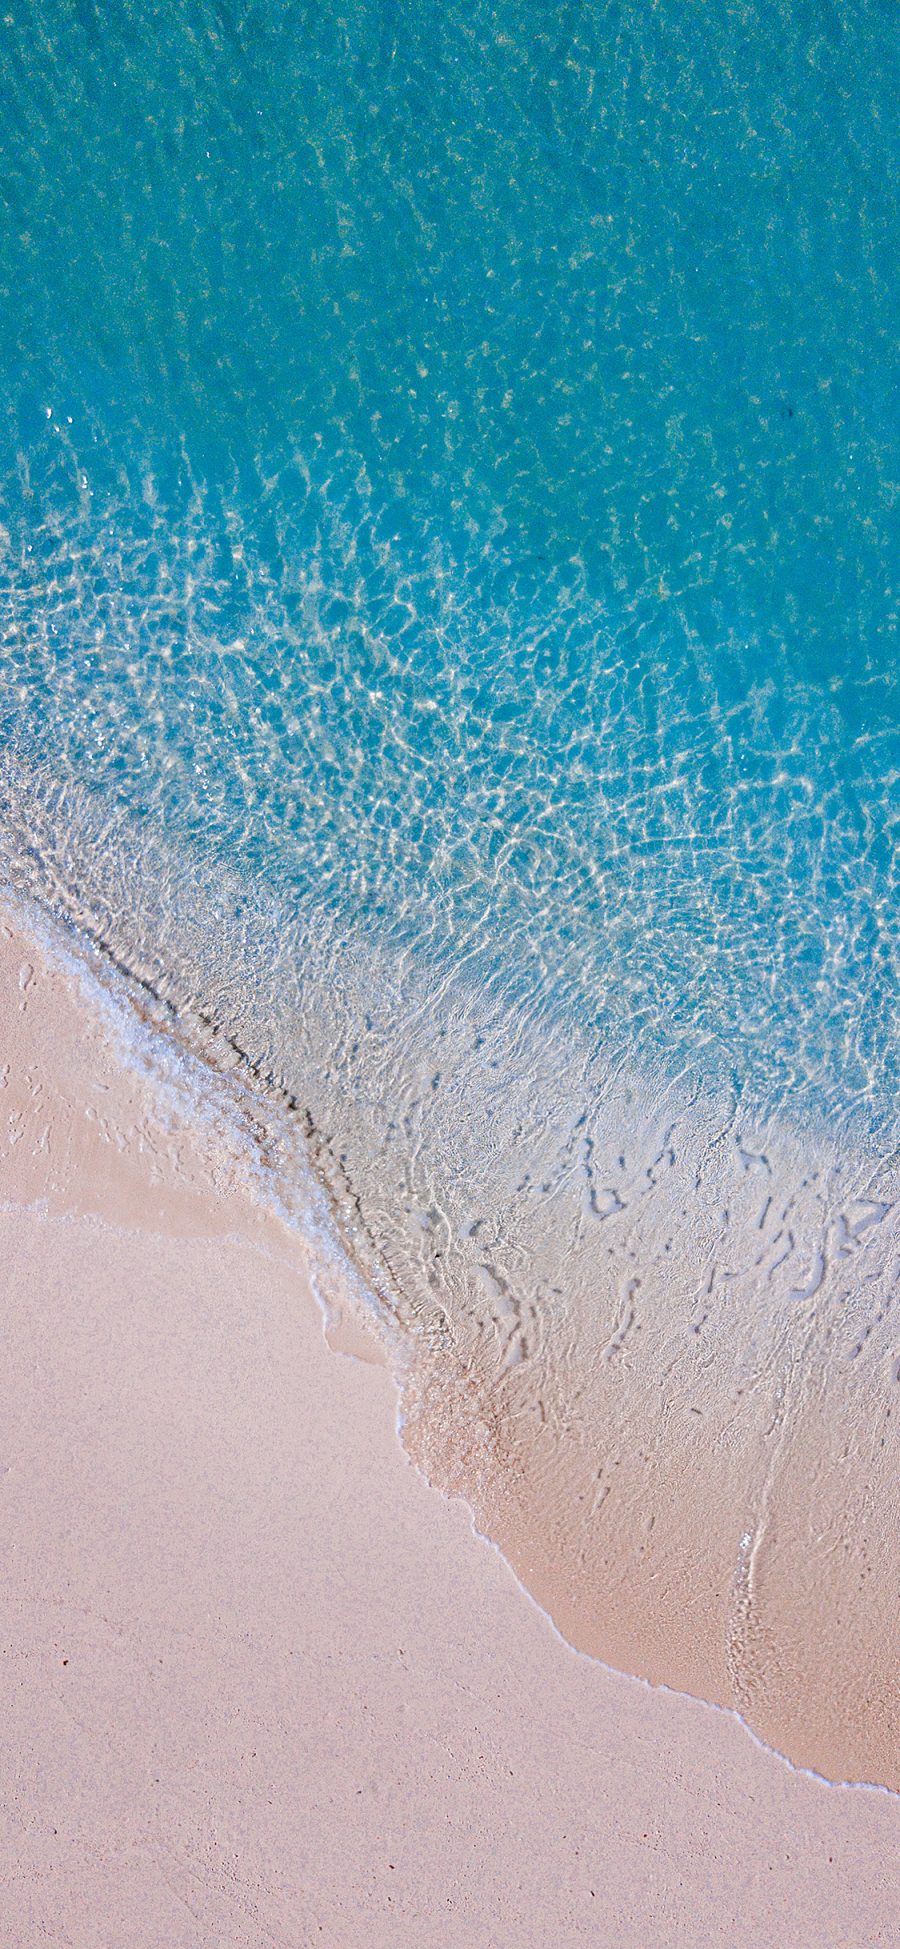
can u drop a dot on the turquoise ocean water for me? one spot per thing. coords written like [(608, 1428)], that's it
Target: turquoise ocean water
[(449, 471), (448, 567)]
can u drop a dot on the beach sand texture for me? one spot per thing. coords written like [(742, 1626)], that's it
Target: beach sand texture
[(261, 1684)]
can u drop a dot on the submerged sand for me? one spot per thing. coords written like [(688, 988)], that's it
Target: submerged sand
[(261, 1684)]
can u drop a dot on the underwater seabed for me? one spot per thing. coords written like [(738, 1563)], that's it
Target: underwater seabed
[(643, 1327)]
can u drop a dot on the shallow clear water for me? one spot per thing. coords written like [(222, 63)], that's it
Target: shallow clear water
[(448, 473), (448, 485)]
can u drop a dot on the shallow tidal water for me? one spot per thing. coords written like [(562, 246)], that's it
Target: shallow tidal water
[(448, 487)]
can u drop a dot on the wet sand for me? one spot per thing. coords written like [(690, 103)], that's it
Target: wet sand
[(261, 1684)]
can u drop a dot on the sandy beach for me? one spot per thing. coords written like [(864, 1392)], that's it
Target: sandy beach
[(261, 1684)]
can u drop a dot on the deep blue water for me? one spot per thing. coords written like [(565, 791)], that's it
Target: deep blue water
[(448, 476)]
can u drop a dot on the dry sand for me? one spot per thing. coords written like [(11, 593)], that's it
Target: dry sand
[(261, 1685)]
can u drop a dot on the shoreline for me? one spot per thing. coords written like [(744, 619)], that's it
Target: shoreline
[(198, 1485), (608, 1617)]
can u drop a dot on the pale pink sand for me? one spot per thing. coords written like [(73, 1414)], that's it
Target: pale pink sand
[(261, 1685)]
